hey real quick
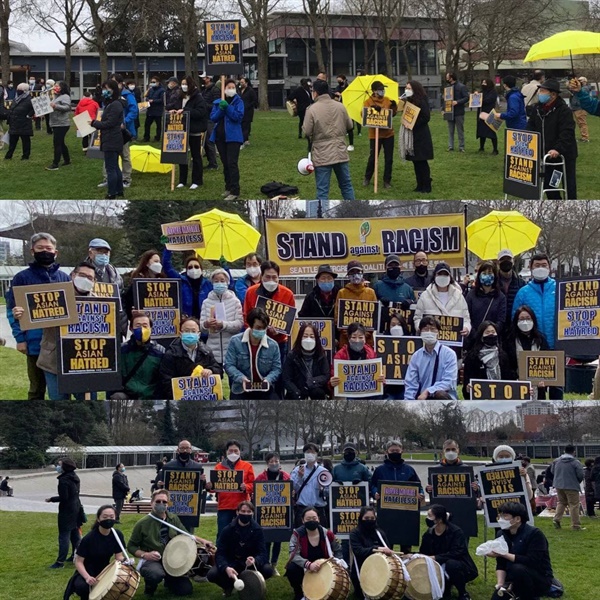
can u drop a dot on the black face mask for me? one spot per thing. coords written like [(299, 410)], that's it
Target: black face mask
[(490, 340), (421, 270), (506, 266), (183, 456), (107, 523), (430, 522), (311, 525), (393, 273), (395, 457), (244, 519), (349, 456), (44, 258), (368, 525)]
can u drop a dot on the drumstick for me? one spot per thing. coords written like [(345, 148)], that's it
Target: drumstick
[(164, 522), (120, 544), (238, 584)]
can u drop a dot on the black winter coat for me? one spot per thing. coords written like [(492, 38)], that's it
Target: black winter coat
[(510, 347), (451, 545), (299, 384), (177, 363), (419, 283), (210, 94), (488, 102), (120, 486), (365, 543), (178, 465), (111, 136), (171, 97), (595, 479), (197, 108), (485, 307), (19, 116), (474, 369), (303, 98), (557, 128), (68, 501), (237, 543), (422, 142), (314, 305), (516, 283), (249, 99)]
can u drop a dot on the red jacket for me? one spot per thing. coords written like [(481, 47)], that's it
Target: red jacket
[(88, 104), (344, 354), (282, 294), (264, 476), (230, 500)]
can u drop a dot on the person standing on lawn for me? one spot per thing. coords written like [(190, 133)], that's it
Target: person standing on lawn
[(250, 100), (155, 96), (60, 121), (568, 475), (461, 98)]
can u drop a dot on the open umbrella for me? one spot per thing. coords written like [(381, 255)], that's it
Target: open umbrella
[(499, 230), (146, 159), (354, 96), (226, 235), (563, 44)]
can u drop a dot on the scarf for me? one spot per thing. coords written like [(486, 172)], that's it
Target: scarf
[(19, 98), (405, 143), (490, 357)]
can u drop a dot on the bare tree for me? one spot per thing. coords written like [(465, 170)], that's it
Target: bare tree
[(363, 18), (317, 13), (253, 420), (388, 16), (5, 13)]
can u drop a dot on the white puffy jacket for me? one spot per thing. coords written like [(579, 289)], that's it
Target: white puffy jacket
[(218, 341), (429, 303)]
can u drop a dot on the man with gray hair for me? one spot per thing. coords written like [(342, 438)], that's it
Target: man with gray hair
[(43, 270)]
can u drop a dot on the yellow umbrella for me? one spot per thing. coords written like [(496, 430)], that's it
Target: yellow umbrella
[(226, 235), (354, 96), (146, 159), (499, 230), (565, 44)]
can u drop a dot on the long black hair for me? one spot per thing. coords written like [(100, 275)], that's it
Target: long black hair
[(419, 93), (535, 334), (478, 341), (100, 511), (297, 348), (485, 266)]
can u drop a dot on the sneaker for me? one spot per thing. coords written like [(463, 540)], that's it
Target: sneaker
[(584, 141), (212, 168), (276, 572), (194, 186), (461, 150), (247, 143), (180, 185), (464, 596), (450, 149), (225, 194), (231, 197), (387, 186), (350, 148), (360, 135), (481, 150), (556, 524), (126, 184), (24, 157), (578, 528), (52, 168), (103, 184), (57, 565), (366, 182), (66, 164)]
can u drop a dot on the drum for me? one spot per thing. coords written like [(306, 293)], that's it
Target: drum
[(292, 108), (203, 563), (116, 582), (382, 577), (331, 582), (255, 587), (184, 557), (419, 586)]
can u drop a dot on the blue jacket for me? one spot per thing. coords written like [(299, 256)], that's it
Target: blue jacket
[(390, 471), (233, 115), (351, 471), (515, 115), (541, 298), (393, 290), (241, 286), (35, 275), (588, 103), (157, 95), (130, 111)]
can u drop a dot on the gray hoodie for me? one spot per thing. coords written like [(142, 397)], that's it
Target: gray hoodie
[(62, 111), (568, 473)]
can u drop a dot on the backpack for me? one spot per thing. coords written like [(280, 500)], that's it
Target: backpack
[(556, 589), (276, 188)]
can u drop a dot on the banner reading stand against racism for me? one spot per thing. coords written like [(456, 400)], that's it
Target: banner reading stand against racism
[(522, 164), (185, 488)]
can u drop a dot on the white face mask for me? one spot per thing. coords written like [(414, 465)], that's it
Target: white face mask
[(155, 267), (397, 331), (309, 457), (194, 273), (451, 455), (184, 87), (309, 344), (231, 457), (504, 523), (526, 325), (131, 87), (503, 461), (253, 271), (541, 273), (270, 286), (408, 93), (230, 92), (83, 284), (442, 280), (429, 337)]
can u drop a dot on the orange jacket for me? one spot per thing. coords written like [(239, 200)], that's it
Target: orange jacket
[(230, 500), (352, 291), (282, 294), (384, 102)]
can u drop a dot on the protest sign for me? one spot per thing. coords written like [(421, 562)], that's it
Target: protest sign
[(281, 316), (499, 484), (183, 235), (41, 104), (545, 365), (273, 502), (395, 354), (197, 388), (398, 511), (450, 333), (143, 106), (410, 115), (325, 329), (223, 47), (578, 316), (377, 118), (492, 120), (345, 502), (160, 299), (108, 290), (475, 100), (522, 164), (93, 150), (174, 146), (452, 488), (185, 489), (82, 122), (364, 312), (386, 312), (489, 389), (299, 246), (89, 351), (226, 480), (358, 379), (46, 305), (448, 106)]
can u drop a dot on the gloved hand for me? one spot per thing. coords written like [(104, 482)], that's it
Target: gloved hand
[(164, 239), (223, 104), (406, 304), (377, 108), (223, 261)]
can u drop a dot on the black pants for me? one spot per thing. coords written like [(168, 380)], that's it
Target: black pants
[(226, 583), (246, 128), (209, 147), (589, 505), (153, 573), (64, 537), (80, 587), (301, 115), (12, 145), (149, 120), (60, 147), (230, 154), (119, 506), (48, 128), (388, 149), (422, 175), (295, 575), (571, 172), (458, 576), (37, 379), (526, 583), (195, 142), (494, 143)]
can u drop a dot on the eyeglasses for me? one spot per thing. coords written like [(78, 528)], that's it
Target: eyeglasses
[(420, 261), (161, 502)]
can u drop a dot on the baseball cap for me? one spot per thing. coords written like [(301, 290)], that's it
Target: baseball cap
[(354, 264), (99, 243), (504, 253), (391, 259)]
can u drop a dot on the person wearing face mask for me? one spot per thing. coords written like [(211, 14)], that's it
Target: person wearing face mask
[(60, 122), (336, 94), (585, 102), (228, 115), (445, 542), (228, 502), (148, 267), (99, 252), (524, 335), (356, 289), (443, 297), (392, 287), (503, 455), (308, 492), (42, 270), (489, 101), (253, 358), (459, 102), (120, 489), (241, 546), (221, 315), (19, 117), (306, 367), (10, 91), (421, 278), (182, 462), (510, 283), (302, 96), (185, 355), (433, 369), (89, 105), (171, 96), (155, 95), (351, 469), (95, 551), (69, 511), (137, 92), (252, 264), (567, 472), (486, 359), (320, 302), (515, 115), (526, 568), (554, 121)]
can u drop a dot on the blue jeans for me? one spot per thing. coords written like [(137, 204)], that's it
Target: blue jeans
[(323, 178), (114, 176), (54, 394), (64, 537), (224, 517)]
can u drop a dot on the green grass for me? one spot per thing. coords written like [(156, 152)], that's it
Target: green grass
[(34, 537), (273, 155)]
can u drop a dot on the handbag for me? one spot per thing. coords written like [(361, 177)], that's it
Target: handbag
[(81, 517), (127, 137)]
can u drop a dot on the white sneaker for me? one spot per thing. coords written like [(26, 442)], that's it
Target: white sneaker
[(127, 184), (180, 185), (350, 148), (194, 186), (103, 184)]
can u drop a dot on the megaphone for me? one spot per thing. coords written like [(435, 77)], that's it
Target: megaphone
[(305, 166), (325, 478)]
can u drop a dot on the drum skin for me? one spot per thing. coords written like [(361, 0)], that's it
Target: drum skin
[(180, 555), (382, 577), (116, 582), (331, 582), (419, 586)]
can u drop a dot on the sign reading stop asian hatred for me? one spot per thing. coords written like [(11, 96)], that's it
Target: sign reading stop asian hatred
[(410, 115), (395, 309), (358, 379), (490, 389), (197, 388), (174, 147), (522, 164), (185, 489), (345, 502), (281, 316), (395, 354), (89, 351), (183, 235), (273, 502), (377, 118), (325, 329), (398, 511), (578, 315), (450, 334), (226, 480), (365, 312), (223, 47), (46, 305), (160, 299), (546, 366)]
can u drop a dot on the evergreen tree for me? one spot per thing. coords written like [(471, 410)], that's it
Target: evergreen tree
[(168, 435)]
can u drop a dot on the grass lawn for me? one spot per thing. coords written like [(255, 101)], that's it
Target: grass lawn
[(273, 155), (34, 536)]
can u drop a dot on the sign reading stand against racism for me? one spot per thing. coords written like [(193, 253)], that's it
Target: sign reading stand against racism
[(185, 490), (223, 47), (273, 501), (522, 164)]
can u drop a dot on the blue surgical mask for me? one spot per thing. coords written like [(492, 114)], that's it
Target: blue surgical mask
[(326, 286), (190, 339), (101, 260), (259, 334), (107, 94), (220, 288), (58, 469), (544, 98), (487, 279)]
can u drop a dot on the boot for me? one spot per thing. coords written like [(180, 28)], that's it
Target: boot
[(426, 189)]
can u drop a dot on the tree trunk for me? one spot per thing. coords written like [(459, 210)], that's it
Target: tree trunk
[(134, 63), (4, 40), (262, 50), (387, 51), (318, 49), (101, 46)]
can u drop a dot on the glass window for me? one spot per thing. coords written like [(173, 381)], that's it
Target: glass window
[(296, 59), (427, 58), (408, 59), (342, 58), (312, 57), (276, 68)]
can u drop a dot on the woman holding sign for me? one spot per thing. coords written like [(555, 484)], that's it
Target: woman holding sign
[(488, 103), (20, 124), (60, 122), (149, 267)]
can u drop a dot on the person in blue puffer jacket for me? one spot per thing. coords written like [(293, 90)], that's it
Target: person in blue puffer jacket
[(515, 115), (392, 287), (227, 135), (587, 102), (42, 270)]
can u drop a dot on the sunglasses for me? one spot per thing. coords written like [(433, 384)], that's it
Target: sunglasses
[(161, 502)]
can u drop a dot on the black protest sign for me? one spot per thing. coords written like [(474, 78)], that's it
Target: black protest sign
[(160, 299), (522, 164), (174, 147), (376, 117), (395, 309), (452, 488), (107, 290), (281, 316), (89, 351), (578, 316), (226, 480), (185, 489), (542, 365), (345, 502), (273, 502), (223, 47), (450, 333), (395, 354), (398, 512), (490, 389), (365, 312), (46, 305)]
